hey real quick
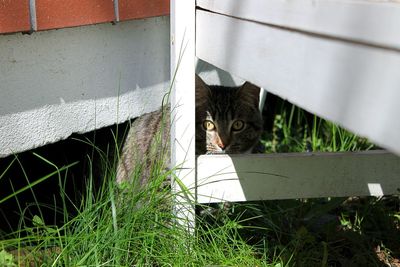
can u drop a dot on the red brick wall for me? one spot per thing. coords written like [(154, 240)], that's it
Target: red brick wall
[(15, 15)]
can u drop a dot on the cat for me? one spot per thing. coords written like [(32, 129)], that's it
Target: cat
[(228, 120)]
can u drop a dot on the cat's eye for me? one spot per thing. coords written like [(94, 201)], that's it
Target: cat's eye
[(208, 125), (238, 125)]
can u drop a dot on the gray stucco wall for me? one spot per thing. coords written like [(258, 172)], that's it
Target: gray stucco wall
[(58, 82)]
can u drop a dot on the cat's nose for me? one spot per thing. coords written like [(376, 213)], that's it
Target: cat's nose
[(222, 146), (222, 142)]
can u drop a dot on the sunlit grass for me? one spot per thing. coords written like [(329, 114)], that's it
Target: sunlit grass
[(295, 130), (118, 225)]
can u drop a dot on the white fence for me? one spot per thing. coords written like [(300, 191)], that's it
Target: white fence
[(337, 59)]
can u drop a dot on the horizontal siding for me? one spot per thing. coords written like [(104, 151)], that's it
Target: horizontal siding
[(373, 22), (352, 84)]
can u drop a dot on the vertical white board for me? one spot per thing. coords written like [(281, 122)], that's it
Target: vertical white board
[(183, 108)]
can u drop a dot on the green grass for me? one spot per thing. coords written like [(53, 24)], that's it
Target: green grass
[(118, 226), (113, 225), (329, 231), (295, 130)]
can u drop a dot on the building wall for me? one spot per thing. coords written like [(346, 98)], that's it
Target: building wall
[(58, 82)]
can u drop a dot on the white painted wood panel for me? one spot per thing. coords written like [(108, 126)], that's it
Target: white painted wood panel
[(183, 109), (353, 85), (374, 22), (297, 175)]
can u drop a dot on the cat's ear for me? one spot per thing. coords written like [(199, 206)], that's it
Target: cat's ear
[(202, 89), (250, 92)]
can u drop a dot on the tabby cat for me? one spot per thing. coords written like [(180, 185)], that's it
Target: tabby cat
[(227, 121)]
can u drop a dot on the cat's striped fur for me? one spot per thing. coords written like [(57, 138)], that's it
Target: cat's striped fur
[(227, 121)]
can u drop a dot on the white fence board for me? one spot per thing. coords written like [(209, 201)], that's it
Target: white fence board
[(183, 108), (374, 22), (354, 85), (297, 175)]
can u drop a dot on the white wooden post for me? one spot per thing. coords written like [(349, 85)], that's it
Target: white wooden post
[(183, 109)]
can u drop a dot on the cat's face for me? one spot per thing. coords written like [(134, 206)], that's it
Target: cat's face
[(227, 118)]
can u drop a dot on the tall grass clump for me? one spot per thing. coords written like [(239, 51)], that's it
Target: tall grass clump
[(295, 130), (119, 225)]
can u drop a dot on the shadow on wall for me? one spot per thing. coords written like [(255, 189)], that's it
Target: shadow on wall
[(215, 76)]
